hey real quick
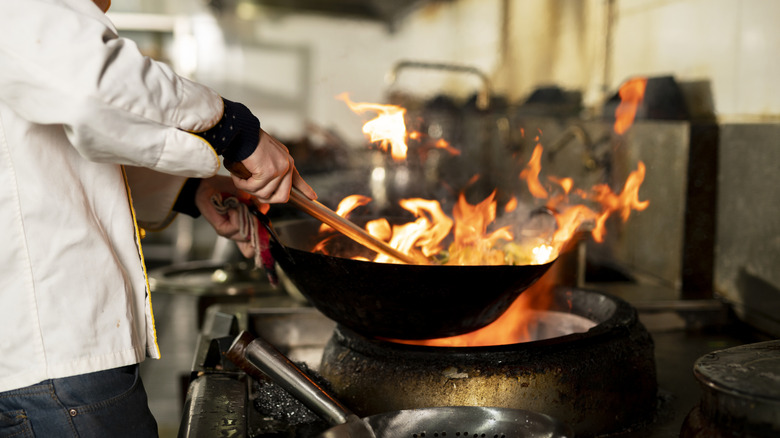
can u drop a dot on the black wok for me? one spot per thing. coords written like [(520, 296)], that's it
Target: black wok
[(394, 300)]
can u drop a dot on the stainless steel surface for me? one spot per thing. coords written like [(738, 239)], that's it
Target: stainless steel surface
[(299, 332), (748, 232), (210, 278), (664, 148), (214, 397)]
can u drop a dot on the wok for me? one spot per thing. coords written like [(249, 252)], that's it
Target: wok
[(394, 300), (256, 355)]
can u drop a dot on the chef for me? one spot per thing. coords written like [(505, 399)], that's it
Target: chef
[(98, 143)]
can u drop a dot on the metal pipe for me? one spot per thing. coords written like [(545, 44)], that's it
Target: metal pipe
[(483, 97), (293, 380)]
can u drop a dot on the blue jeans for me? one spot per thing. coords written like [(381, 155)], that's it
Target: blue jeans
[(109, 403)]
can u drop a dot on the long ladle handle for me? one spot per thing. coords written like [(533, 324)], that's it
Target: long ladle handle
[(327, 216), (253, 354)]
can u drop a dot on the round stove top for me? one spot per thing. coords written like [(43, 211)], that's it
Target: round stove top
[(741, 386), (751, 370)]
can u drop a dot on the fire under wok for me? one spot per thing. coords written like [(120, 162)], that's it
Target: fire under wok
[(396, 301)]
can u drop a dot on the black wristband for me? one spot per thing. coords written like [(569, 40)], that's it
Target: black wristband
[(185, 203), (237, 133)]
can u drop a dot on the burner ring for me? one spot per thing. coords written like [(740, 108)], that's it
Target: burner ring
[(599, 381)]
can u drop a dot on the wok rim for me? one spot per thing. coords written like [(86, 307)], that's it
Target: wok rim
[(287, 248), (438, 266)]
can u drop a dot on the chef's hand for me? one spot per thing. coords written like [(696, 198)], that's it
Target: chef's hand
[(273, 173), (226, 225)]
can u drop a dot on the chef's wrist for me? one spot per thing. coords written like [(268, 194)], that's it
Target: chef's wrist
[(185, 202), (236, 134)]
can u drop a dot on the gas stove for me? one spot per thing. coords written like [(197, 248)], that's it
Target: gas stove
[(661, 347)]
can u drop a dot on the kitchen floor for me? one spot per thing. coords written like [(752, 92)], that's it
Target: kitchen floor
[(166, 379)]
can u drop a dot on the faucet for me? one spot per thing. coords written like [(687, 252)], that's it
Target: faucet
[(483, 97)]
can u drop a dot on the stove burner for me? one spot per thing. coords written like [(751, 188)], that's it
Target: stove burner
[(602, 380), (539, 324)]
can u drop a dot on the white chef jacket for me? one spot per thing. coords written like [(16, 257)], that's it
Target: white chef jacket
[(93, 142)]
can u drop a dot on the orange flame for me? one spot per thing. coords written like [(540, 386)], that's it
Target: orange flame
[(444, 144), (472, 240), (388, 128), (571, 217), (565, 183), (531, 174), (631, 94), (472, 243), (346, 206), (628, 199), (430, 229), (513, 326)]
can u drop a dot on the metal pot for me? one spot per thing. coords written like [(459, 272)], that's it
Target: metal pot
[(600, 381), (740, 393), (461, 421)]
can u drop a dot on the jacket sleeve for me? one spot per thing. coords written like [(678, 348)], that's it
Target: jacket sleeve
[(63, 63)]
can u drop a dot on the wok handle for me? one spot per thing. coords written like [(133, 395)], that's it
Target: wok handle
[(327, 216), (255, 355)]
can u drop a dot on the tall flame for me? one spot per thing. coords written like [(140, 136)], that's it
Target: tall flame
[(474, 245), (571, 217), (388, 128), (472, 242), (512, 327), (429, 240), (469, 230), (631, 94), (531, 173)]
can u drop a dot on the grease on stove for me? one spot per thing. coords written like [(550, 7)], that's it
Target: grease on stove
[(282, 414)]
